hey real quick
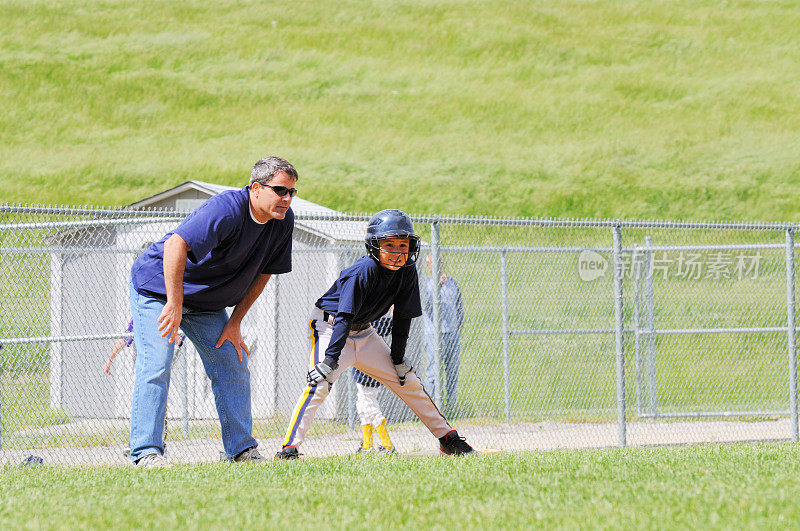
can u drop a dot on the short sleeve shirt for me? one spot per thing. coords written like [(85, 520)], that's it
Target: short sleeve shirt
[(366, 290), (227, 252)]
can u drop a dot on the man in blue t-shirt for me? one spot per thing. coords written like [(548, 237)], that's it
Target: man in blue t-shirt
[(341, 331), (221, 255)]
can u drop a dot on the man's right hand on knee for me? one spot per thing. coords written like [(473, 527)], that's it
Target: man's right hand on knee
[(170, 321)]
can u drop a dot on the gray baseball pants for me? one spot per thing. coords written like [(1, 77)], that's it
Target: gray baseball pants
[(367, 352)]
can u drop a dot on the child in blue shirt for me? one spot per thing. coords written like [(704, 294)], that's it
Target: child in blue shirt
[(342, 334)]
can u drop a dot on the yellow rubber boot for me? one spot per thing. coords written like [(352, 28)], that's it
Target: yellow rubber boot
[(366, 440), (386, 441)]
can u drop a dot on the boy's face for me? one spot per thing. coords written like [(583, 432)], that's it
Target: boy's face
[(394, 253)]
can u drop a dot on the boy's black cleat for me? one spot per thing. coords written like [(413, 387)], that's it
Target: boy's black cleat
[(288, 452), (452, 444)]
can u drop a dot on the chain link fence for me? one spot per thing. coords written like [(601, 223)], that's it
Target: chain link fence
[(588, 333)]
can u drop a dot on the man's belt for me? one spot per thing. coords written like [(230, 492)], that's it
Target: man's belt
[(355, 327)]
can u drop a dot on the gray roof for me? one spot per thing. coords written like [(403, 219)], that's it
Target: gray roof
[(331, 229)]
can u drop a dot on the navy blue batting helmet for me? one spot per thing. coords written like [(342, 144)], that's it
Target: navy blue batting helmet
[(391, 223)]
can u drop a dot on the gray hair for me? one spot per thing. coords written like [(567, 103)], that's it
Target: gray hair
[(265, 169)]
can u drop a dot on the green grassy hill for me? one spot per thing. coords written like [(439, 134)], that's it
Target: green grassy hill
[(677, 109)]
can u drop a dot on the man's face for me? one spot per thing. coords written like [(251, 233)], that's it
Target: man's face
[(429, 264), (394, 253), (266, 203)]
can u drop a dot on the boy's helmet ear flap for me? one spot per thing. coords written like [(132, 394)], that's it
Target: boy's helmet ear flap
[(413, 249), (373, 246)]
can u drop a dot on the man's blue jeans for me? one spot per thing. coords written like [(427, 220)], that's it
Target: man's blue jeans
[(230, 378)]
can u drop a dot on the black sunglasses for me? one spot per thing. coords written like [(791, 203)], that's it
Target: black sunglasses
[(281, 190)]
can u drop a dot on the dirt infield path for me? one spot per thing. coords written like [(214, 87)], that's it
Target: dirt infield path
[(416, 441)]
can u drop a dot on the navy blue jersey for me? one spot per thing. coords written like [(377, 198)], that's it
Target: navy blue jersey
[(366, 290), (228, 249)]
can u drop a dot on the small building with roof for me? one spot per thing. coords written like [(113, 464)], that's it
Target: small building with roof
[(89, 297)]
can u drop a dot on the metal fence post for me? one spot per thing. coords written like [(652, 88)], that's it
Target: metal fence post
[(352, 391), (184, 351), (506, 334), (651, 323), (2, 366), (619, 331), (436, 272), (637, 327), (275, 343), (791, 325), (347, 380), (1, 397)]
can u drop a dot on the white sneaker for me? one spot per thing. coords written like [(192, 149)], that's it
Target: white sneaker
[(154, 461)]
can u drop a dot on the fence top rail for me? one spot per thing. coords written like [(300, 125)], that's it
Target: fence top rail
[(87, 210), (424, 218), (608, 223)]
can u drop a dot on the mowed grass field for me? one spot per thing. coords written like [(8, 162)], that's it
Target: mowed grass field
[(716, 487), (669, 109), (647, 109)]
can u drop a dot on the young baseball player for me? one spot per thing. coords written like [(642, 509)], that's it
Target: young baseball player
[(341, 331), (126, 342), (369, 410), (370, 415)]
